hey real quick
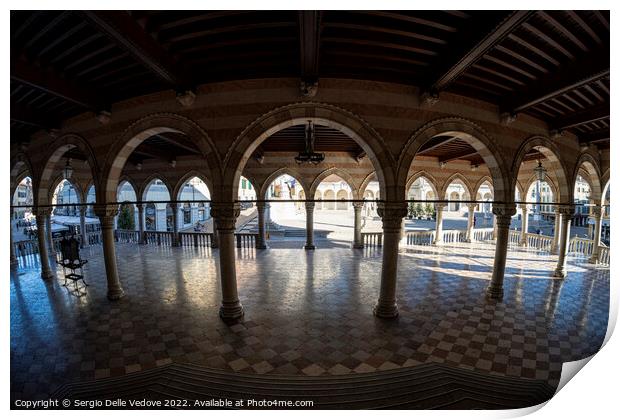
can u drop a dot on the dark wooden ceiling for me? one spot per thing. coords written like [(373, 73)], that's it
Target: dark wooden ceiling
[(553, 65)]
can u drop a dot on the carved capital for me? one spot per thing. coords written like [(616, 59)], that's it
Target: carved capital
[(225, 215), (472, 206), (567, 210), (392, 214), (503, 214), (261, 206), (186, 98), (141, 207), (41, 212), (596, 212), (358, 205), (310, 205), (106, 214)]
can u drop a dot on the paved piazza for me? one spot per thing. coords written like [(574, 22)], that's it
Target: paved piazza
[(306, 313)]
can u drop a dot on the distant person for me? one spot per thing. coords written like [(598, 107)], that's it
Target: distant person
[(474, 221)]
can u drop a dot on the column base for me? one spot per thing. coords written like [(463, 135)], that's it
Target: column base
[(47, 275), (385, 310), (116, 294), (559, 273), (358, 246), (309, 247), (593, 259), (468, 241), (261, 246), (437, 242), (231, 311), (495, 293)]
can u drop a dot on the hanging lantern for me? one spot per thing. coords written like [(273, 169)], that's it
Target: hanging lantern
[(309, 155), (540, 172), (68, 171)]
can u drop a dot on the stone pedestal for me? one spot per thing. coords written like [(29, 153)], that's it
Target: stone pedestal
[(392, 215), (439, 224), (106, 215), (142, 239), (503, 216), (357, 225), (524, 225), (42, 215), (309, 225), (597, 214), (225, 215), (567, 213), (261, 243)]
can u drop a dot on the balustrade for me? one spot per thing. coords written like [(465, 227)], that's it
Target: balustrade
[(196, 239), (246, 240), (372, 239)]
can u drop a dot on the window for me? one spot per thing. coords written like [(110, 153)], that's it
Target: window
[(187, 214)]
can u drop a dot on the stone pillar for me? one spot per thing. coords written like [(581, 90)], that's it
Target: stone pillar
[(309, 225), (597, 213), (48, 231), (567, 213), (357, 225), (439, 223), (471, 209), (392, 215), (106, 214), (524, 225), (225, 215), (556, 231), (215, 241), (142, 239), (11, 245), (83, 226), (42, 214), (495, 227), (262, 234), (175, 224), (503, 216)]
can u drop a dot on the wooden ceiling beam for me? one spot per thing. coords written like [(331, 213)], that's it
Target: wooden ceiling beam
[(50, 82), (24, 115), (594, 136), (181, 144), (127, 34), (434, 144), (463, 155), (583, 117), (469, 50), (587, 69), (310, 41)]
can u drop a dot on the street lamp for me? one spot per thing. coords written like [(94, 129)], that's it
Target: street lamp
[(68, 171)]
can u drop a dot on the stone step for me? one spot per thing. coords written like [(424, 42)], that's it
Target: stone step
[(425, 386)]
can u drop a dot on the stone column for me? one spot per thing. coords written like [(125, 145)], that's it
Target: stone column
[(106, 214), (48, 231), (438, 224), (225, 215), (567, 213), (11, 245), (175, 224), (215, 241), (357, 225), (142, 239), (82, 226), (41, 215), (597, 213), (495, 227), (524, 225), (503, 216), (392, 215), (262, 234), (556, 231), (471, 209), (309, 225)]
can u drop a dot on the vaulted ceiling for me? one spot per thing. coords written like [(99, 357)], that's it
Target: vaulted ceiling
[(553, 65)]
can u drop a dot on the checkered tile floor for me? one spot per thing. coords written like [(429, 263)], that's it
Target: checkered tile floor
[(307, 313)]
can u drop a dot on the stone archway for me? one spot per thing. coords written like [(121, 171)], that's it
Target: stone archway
[(320, 114), (147, 127), (472, 134)]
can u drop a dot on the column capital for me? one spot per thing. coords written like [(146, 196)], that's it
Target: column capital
[(141, 206), (503, 214), (174, 206), (566, 210), (261, 205), (225, 215), (105, 210), (472, 206), (83, 211), (523, 207), (439, 206), (42, 211), (596, 211), (392, 215), (310, 205), (357, 205)]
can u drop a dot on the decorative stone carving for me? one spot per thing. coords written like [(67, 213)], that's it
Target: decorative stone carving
[(359, 205), (104, 117), (308, 89), (503, 214), (429, 98), (225, 215), (106, 214), (310, 205), (507, 118), (186, 98), (392, 215), (42, 211)]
